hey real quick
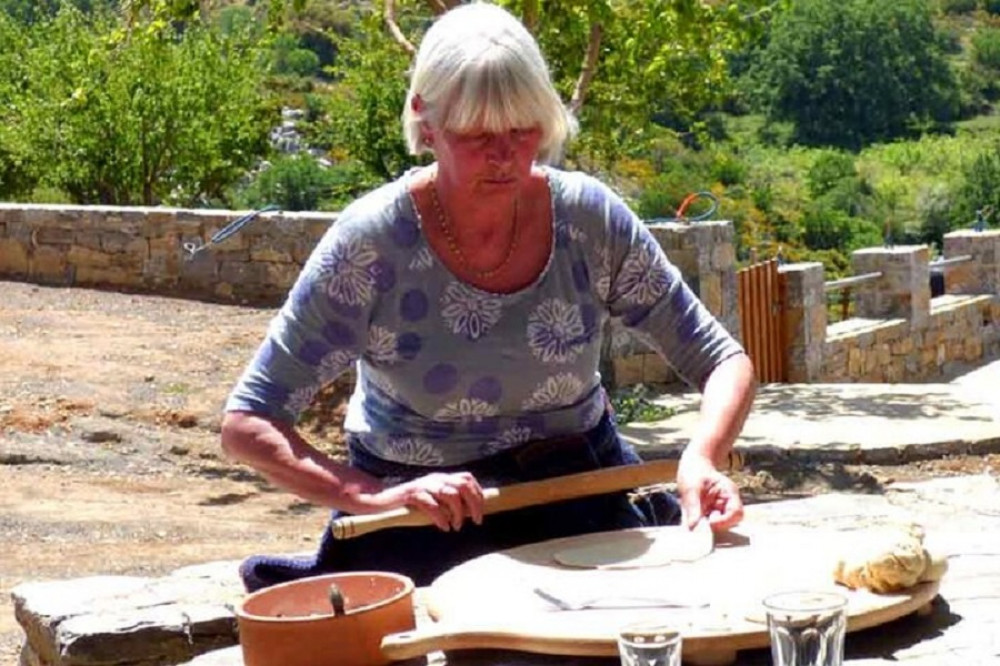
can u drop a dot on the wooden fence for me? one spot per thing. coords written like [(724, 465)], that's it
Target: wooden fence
[(761, 315)]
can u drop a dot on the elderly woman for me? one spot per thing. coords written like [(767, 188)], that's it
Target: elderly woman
[(471, 295)]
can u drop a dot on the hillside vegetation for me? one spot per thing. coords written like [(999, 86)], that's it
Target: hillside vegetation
[(819, 127)]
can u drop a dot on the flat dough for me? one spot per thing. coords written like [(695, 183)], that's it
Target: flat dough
[(654, 547)]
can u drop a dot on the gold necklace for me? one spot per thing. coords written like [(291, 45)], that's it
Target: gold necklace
[(452, 240)]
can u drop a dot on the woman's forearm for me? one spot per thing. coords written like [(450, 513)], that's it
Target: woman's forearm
[(284, 458), (726, 399)]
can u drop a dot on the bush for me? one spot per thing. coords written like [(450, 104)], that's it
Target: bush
[(991, 6), (986, 48), (958, 6), (292, 183), (934, 205), (829, 170), (299, 182), (980, 187)]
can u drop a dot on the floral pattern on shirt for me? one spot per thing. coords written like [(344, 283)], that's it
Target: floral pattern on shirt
[(422, 260), (643, 278), (414, 451), (466, 409), (556, 331), (383, 346), (301, 398), (334, 364), (469, 312), (556, 391), (347, 272)]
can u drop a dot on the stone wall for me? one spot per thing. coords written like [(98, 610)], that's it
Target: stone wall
[(900, 334), (142, 249)]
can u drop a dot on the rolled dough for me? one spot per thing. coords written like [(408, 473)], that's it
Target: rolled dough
[(655, 547)]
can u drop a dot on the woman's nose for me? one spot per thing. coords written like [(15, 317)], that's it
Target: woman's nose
[(501, 146)]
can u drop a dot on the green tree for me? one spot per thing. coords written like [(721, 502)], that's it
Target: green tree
[(141, 116), (979, 189), (854, 72), (16, 177)]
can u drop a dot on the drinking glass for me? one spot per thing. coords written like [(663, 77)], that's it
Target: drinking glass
[(807, 628), (649, 644)]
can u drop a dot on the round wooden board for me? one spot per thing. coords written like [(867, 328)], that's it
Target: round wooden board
[(490, 601)]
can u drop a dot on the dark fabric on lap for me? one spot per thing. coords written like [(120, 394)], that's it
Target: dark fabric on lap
[(423, 553)]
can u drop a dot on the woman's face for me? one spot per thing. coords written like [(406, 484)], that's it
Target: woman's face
[(487, 161)]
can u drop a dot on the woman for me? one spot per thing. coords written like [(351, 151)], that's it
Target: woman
[(471, 295)]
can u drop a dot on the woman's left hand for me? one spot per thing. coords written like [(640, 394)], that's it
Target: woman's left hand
[(706, 493)]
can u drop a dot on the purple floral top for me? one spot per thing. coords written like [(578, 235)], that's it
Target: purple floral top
[(449, 373)]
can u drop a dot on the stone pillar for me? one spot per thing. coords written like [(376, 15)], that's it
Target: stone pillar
[(903, 290), (804, 320), (981, 275), (705, 254)]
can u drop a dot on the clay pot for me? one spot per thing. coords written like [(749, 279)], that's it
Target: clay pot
[(294, 624)]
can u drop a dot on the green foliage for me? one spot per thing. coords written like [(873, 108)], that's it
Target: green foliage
[(633, 404), (363, 111), (958, 6), (980, 187), (986, 48), (299, 182), (830, 169), (288, 58), (140, 117), (854, 72)]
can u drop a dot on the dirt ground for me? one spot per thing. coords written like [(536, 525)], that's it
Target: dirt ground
[(109, 459)]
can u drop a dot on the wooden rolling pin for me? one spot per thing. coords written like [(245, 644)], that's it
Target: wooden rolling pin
[(531, 493)]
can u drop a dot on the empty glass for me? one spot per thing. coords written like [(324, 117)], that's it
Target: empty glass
[(649, 644), (807, 628)]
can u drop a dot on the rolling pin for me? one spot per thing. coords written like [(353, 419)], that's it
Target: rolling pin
[(531, 493)]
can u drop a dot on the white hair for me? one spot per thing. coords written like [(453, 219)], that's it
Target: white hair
[(479, 68)]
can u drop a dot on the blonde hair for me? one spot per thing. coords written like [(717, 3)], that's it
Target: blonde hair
[(478, 68)]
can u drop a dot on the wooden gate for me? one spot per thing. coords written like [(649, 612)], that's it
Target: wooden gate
[(761, 314)]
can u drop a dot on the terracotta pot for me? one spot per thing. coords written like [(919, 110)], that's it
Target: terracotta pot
[(294, 624)]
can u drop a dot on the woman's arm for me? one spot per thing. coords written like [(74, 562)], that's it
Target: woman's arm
[(726, 399), (704, 491), (283, 457)]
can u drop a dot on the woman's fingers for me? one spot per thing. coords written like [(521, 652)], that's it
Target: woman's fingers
[(424, 500), (448, 499)]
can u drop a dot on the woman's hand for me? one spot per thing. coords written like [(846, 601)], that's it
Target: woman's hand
[(448, 499), (707, 493)]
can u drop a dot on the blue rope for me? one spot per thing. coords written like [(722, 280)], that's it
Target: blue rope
[(230, 229)]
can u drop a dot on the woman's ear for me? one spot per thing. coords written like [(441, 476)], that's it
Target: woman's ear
[(417, 105)]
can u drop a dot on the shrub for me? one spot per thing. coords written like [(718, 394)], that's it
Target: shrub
[(980, 187), (829, 170), (933, 213), (296, 182), (958, 6), (986, 48)]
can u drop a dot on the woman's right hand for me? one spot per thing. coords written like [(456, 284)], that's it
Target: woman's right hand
[(447, 499)]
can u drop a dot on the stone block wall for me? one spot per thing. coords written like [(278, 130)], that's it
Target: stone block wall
[(959, 329), (142, 250), (900, 334)]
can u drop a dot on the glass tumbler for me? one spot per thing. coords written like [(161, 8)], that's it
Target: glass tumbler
[(649, 644), (807, 628)]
